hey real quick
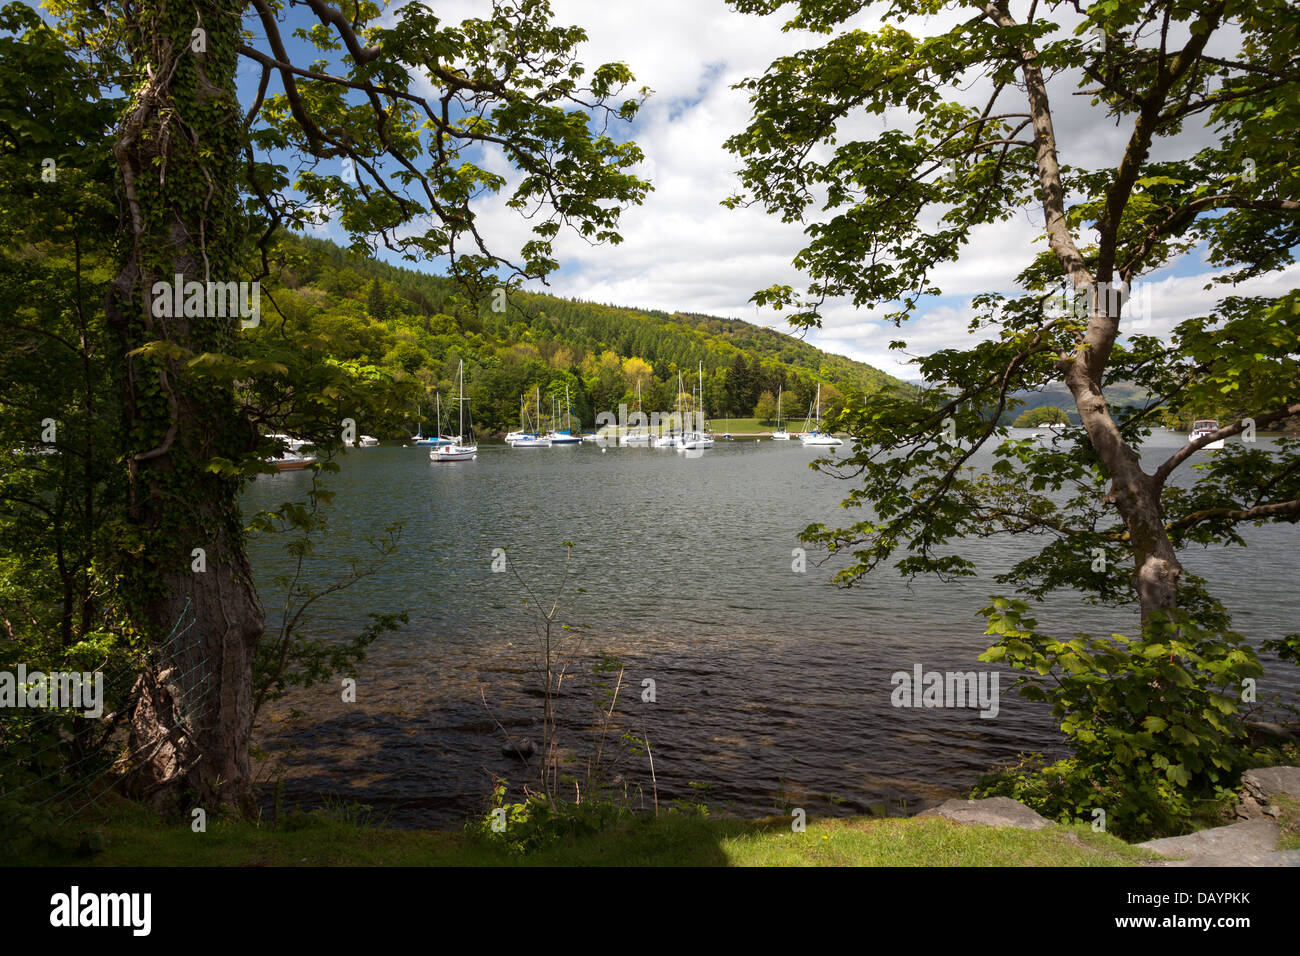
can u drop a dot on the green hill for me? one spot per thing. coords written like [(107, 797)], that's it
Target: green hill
[(411, 330)]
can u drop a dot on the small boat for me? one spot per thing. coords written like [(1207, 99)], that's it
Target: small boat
[(455, 449), (419, 438), (526, 437), (564, 436), (697, 439), (292, 457), (1202, 427), (780, 434), (637, 434), (817, 436), (369, 441), (694, 441), (523, 430)]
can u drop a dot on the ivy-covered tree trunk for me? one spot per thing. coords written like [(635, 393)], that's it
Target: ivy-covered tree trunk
[(178, 148)]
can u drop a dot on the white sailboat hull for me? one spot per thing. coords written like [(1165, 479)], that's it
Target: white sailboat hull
[(694, 442), (453, 453)]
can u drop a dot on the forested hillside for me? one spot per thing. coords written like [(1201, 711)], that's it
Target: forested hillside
[(407, 331)]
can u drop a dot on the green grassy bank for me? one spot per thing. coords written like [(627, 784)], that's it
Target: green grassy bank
[(132, 836)]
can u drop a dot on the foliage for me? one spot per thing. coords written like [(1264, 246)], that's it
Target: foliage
[(1043, 415), (1154, 723), (540, 822)]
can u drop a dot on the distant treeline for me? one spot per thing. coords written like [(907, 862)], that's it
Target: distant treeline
[(411, 330)]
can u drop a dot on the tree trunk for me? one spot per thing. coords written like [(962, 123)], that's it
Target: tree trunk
[(177, 150), (1135, 495)]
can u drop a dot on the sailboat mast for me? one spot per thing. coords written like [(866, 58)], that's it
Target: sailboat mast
[(701, 408)]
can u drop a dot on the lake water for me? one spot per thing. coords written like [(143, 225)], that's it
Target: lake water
[(772, 688)]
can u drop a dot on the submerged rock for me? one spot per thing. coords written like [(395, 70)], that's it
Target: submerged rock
[(520, 747)]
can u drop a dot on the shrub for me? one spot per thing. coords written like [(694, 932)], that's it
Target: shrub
[(1154, 723)]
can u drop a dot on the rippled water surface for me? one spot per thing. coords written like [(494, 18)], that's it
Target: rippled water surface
[(772, 688)]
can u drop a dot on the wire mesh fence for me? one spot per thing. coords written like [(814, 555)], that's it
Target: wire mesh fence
[(60, 758)]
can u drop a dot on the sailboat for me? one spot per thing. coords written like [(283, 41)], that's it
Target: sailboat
[(419, 438), (638, 435), (697, 438), (817, 436), (457, 449), (780, 434), (671, 439), (528, 438), (523, 423), (566, 437)]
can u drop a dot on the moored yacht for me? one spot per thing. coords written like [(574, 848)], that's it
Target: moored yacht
[(456, 449), (293, 456), (1202, 427), (817, 436)]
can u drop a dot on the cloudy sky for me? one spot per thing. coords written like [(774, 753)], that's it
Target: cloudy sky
[(683, 251)]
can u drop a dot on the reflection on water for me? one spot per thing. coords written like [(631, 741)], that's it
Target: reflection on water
[(772, 688)]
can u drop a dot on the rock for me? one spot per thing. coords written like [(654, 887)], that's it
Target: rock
[(1248, 843), (1269, 781), (1249, 808), (520, 747), (1262, 731), (991, 812)]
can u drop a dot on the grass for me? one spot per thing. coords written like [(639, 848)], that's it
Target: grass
[(752, 426), (743, 426), (1289, 821), (129, 835)]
